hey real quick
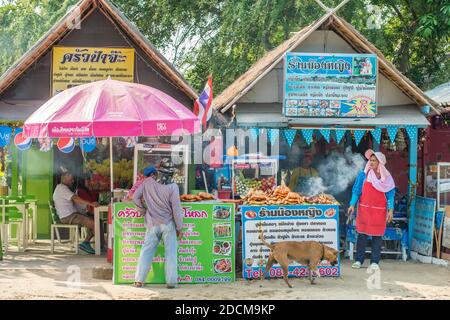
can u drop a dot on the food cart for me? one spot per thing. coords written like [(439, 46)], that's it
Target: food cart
[(173, 158), (206, 253), (251, 171), (287, 223), (282, 215)]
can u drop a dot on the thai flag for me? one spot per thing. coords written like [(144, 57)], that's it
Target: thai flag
[(202, 106)]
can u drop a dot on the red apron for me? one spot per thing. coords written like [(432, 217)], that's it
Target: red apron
[(372, 211)]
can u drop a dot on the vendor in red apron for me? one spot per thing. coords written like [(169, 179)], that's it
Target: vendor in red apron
[(374, 190)]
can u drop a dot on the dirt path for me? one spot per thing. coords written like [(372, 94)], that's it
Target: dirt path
[(43, 276)]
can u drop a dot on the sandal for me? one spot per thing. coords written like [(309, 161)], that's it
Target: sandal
[(138, 284)]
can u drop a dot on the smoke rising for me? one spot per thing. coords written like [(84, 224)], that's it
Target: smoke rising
[(336, 173)]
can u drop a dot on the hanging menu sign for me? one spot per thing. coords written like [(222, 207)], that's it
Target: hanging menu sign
[(330, 85), (73, 66), (206, 252)]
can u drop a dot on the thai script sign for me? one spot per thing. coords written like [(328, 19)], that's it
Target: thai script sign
[(330, 85), (287, 223), (206, 252), (73, 66), (423, 226)]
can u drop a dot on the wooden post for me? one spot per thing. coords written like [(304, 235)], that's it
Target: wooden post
[(412, 185), (376, 145)]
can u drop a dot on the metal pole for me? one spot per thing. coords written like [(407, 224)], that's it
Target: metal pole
[(111, 166), (412, 184)]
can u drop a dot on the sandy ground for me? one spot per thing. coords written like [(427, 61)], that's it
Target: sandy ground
[(39, 275)]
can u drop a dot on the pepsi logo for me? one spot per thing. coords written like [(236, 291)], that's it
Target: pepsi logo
[(22, 143), (87, 144), (66, 145)]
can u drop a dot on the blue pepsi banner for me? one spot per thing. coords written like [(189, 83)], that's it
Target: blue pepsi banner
[(5, 135), (330, 85), (287, 223), (87, 144)]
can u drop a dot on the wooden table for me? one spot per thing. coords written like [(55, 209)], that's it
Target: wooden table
[(97, 213)]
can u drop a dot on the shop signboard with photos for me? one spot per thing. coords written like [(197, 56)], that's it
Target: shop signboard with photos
[(330, 85), (206, 252), (287, 223)]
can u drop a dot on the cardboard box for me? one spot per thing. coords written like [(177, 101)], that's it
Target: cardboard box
[(445, 251), (445, 256), (446, 229)]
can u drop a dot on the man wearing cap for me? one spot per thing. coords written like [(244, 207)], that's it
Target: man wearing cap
[(163, 219), (374, 190)]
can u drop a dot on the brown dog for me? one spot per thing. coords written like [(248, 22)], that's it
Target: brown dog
[(305, 252)]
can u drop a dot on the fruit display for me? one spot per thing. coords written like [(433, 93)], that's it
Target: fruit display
[(178, 178), (243, 185), (282, 195), (123, 174), (268, 183)]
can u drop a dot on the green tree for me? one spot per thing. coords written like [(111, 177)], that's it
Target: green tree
[(225, 37), (23, 22)]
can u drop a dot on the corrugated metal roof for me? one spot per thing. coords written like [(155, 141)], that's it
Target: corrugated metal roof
[(440, 94)]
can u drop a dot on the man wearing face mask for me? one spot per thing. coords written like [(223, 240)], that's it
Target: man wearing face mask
[(164, 220)]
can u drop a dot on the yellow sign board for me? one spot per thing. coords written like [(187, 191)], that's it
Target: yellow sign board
[(73, 66)]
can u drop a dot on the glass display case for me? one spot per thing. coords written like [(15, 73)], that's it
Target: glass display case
[(171, 159), (252, 172), (437, 184)]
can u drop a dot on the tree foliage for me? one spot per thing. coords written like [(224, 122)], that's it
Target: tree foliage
[(225, 37), (23, 22)]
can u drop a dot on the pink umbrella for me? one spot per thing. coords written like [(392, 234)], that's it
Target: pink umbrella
[(110, 108)]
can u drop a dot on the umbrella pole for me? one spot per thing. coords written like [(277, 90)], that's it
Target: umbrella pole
[(111, 167)]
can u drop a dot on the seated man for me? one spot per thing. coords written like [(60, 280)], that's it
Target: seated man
[(65, 201)]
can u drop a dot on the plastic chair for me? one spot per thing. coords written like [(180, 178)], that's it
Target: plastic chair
[(32, 217), (56, 224), (1, 248), (12, 217), (15, 218)]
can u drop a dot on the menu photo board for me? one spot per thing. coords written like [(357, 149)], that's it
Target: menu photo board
[(73, 66), (330, 85), (206, 252), (287, 223)]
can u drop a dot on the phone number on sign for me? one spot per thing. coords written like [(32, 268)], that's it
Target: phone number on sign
[(213, 279), (296, 272)]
